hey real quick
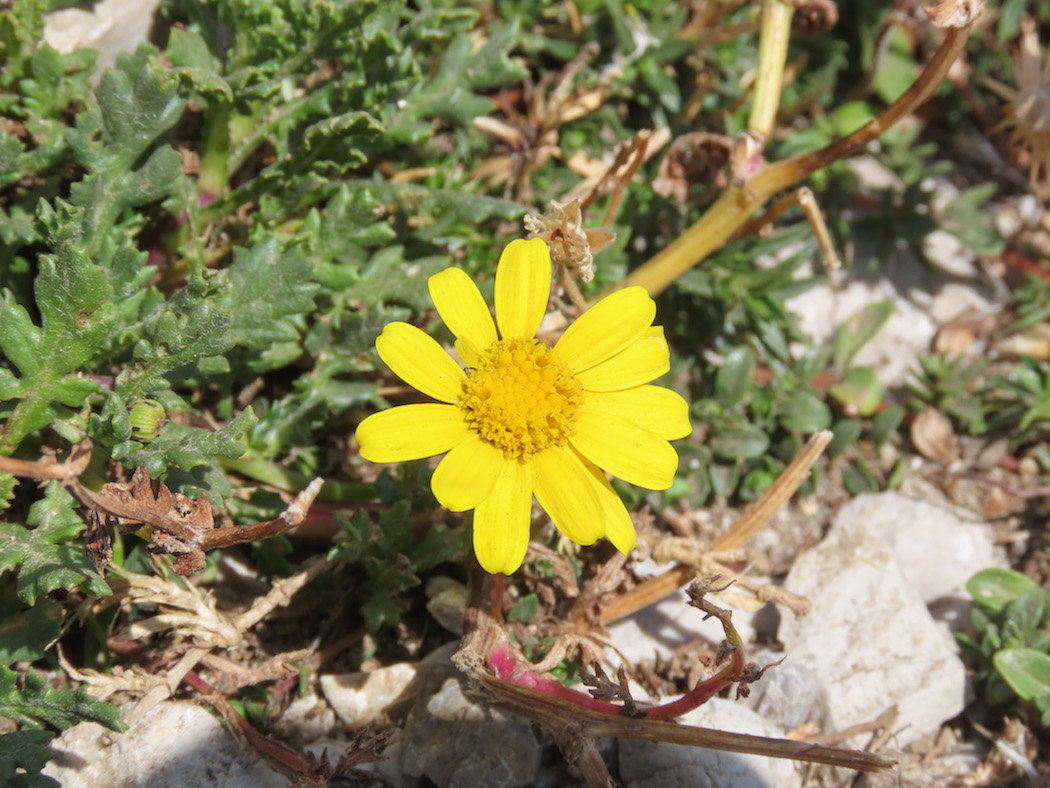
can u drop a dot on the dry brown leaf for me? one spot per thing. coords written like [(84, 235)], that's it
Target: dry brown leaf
[(955, 13), (933, 437)]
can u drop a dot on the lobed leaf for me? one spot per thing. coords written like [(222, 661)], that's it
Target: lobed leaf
[(40, 554)]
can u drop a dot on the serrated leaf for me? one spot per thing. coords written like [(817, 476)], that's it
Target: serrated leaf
[(464, 68), (22, 755), (185, 447), (37, 705), (8, 483), (72, 297), (40, 556), (195, 63), (268, 292), (25, 634), (131, 113)]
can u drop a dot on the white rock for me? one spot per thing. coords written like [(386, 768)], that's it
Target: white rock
[(446, 602), (922, 301), (306, 720), (789, 694), (658, 630), (175, 745), (457, 743), (645, 764), (937, 548), (111, 27), (359, 698), (870, 639), (665, 626)]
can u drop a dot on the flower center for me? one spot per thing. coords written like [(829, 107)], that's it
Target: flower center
[(521, 398)]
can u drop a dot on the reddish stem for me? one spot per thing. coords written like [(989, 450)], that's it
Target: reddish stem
[(269, 749), (703, 692)]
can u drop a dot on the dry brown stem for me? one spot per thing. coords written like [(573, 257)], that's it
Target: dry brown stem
[(656, 588)]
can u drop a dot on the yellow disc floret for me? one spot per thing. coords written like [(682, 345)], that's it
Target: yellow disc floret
[(521, 398)]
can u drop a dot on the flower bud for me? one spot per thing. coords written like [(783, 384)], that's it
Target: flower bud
[(147, 416)]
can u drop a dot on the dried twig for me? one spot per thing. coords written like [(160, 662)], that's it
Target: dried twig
[(177, 525)]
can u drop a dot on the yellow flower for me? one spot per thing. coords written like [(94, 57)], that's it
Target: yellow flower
[(527, 419)]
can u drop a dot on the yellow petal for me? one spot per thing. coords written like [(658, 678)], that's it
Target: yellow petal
[(643, 360), (502, 520), (417, 358), (652, 408), (523, 287), (606, 328), (463, 309), (467, 354), (411, 432), (568, 493), (465, 477), (618, 526), (625, 450)]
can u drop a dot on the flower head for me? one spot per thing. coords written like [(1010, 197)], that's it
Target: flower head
[(526, 419), (1027, 113)]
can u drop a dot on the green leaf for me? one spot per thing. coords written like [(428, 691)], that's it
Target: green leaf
[(857, 478), (268, 292), (525, 609), (173, 340), (886, 423), (40, 556), (724, 477), (859, 392), (37, 705), (846, 432), (25, 634), (968, 219), (860, 329), (803, 411), (7, 489), (994, 589), (897, 68), (184, 447), (1026, 670), (464, 68), (739, 441), (195, 63), (72, 296), (22, 755), (736, 375), (1010, 13)]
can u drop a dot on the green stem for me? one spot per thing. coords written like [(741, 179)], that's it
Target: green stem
[(283, 479), (215, 150), (736, 204), (772, 57)]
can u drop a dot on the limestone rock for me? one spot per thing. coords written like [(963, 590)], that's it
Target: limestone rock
[(359, 698), (175, 745), (870, 639), (457, 743), (936, 548), (109, 26)]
